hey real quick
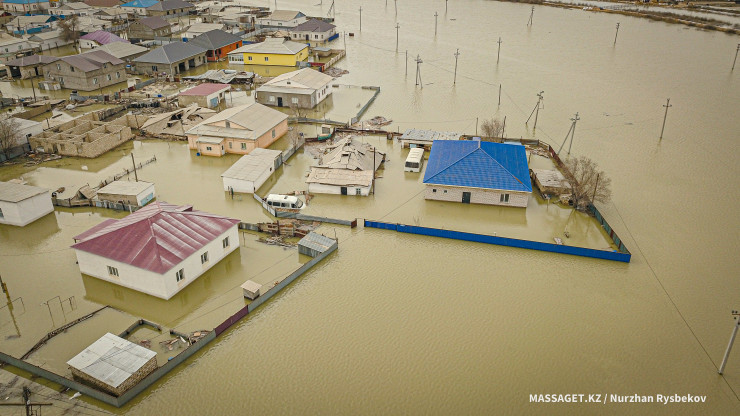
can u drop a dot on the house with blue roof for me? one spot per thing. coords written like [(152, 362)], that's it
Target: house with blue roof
[(17, 7), (475, 172), (138, 6)]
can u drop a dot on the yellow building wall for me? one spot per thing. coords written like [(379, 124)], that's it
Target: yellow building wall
[(275, 59)]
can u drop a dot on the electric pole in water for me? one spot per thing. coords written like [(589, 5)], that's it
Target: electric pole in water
[(616, 34), (360, 18), (418, 71), (499, 95), (498, 55), (435, 26), (536, 110), (445, 6), (397, 26), (735, 315), (571, 132), (407, 62), (531, 15), (667, 105), (735, 61), (457, 53)]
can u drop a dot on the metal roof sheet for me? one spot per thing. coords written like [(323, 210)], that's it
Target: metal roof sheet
[(316, 241), (251, 166), (551, 178), (156, 238), (154, 22), (205, 89), (165, 5), (214, 39), (477, 164), (111, 359), (278, 46), (91, 61), (32, 60), (429, 135), (171, 53), (41, 36), (210, 140), (313, 25), (285, 15), (15, 192), (303, 78), (122, 49), (255, 119), (140, 3), (125, 187), (103, 37), (350, 155), (340, 177)]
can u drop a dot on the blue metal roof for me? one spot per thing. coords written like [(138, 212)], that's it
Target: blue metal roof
[(140, 3), (474, 164)]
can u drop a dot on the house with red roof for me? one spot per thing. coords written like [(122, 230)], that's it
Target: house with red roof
[(158, 250), (204, 95)]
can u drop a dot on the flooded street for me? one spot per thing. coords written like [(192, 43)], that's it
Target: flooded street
[(395, 323)]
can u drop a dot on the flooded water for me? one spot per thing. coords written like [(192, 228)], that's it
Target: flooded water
[(396, 323)]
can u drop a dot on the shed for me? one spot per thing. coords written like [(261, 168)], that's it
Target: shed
[(251, 171), (131, 193), (424, 138), (314, 244), (204, 95), (113, 364), (251, 289), (550, 182), (23, 204)]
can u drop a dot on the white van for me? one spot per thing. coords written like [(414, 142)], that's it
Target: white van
[(414, 160), (284, 201)]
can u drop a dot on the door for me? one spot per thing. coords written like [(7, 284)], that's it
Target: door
[(344, 190), (280, 101), (466, 198)]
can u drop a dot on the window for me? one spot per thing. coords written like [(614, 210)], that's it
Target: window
[(250, 58), (273, 133), (434, 191), (208, 148), (154, 68), (315, 36), (267, 58), (358, 191), (445, 191), (105, 66), (504, 198), (71, 68), (294, 100), (1, 213), (118, 75), (95, 80), (228, 124), (204, 258), (244, 146), (180, 275), (272, 98), (226, 242), (109, 77), (112, 271), (230, 145), (59, 67)]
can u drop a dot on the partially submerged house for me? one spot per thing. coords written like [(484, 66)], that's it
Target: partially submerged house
[(217, 44), (475, 172), (127, 192), (138, 7), (168, 8), (25, 6), (124, 51), (158, 250), (30, 24), (21, 205), (313, 31), (550, 182), (238, 130), (251, 171), (281, 19), (29, 66), (204, 95), (98, 38), (273, 51), (88, 71), (172, 58), (113, 364), (68, 9), (176, 123), (50, 39), (347, 168), (304, 88), (12, 48), (149, 28), (424, 138), (197, 29)]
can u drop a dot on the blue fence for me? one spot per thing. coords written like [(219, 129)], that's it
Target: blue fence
[(502, 241)]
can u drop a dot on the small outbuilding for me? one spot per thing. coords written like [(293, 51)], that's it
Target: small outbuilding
[(113, 364), (304, 88), (314, 244), (126, 192), (251, 289), (550, 182), (23, 204), (204, 95), (424, 138), (251, 171)]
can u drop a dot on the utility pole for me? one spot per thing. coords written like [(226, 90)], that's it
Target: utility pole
[(360, 18), (397, 26), (134, 161), (499, 95), (407, 62), (503, 130), (667, 106), (616, 34), (435, 27), (536, 110), (457, 53), (344, 36), (498, 55), (531, 15), (596, 185), (573, 133), (735, 315), (395, 4), (476, 126), (33, 88), (418, 71), (26, 402), (735, 61), (445, 6)]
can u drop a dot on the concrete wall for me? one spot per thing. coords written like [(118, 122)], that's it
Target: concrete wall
[(271, 136), (129, 199), (210, 149), (138, 31), (134, 379), (27, 211), (85, 81), (148, 68), (319, 188), (202, 100), (313, 37), (169, 13), (247, 187), (477, 195)]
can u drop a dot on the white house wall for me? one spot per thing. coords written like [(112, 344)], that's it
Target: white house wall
[(477, 195), (318, 188), (27, 211), (141, 196), (164, 285)]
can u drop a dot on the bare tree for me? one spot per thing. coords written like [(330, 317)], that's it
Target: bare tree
[(9, 133), (492, 128), (70, 28), (588, 183)]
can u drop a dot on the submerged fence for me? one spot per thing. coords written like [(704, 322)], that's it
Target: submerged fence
[(502, 241)]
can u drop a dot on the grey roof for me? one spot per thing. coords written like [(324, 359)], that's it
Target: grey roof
[(122, 49), (215, 39), (313, 25), (75, 6), (316, 241), (340, 177), (125, 188), (250, 167), (350, 155), (551, 178), (91, 61), (306, 78), (254, 119), (32, 60), (272, 45), (46, 35), (14, 192), (285, 15), (429, 135), (171, 53), (165, 5), (154, 22), (111, 359)]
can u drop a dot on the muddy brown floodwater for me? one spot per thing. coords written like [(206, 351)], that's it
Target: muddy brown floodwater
[(396, 323)]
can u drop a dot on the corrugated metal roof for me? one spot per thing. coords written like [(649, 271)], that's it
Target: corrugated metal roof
[(111, 359), (214, 39), (313, 25), (429, 135), (156, 237), (165, 5), (340, 177), (278, 46), (210, 140), (75, 6), (205, 89), (478, 164), (303, 78), (316, 241), (250, 167), (103, 37), (122, 49), (154, 22), (171, 53), (14, 192), (103, 3), (32, 60), (350, 155), (52, 34), (140, 3), (255, 120), (551, 178), (204, 27), (125, 187), (91, 61), (285, 15)]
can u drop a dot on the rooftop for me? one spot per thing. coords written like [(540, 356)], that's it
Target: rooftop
[(285, 15), (429, 135), (476, 164), (165, 5), (125, 187), (111, 359), (91, 61), (14, 192), (102, 37), (171, 53), (32, 60), (205, 89), (250, 167), (156, 238), (122, 49), (140, 3), (316, 241), (307, 78), (154, 22), (347, 154), (253, 121), (340, 177), (278, 46), (214, 39), (313, 25), (103, 3)]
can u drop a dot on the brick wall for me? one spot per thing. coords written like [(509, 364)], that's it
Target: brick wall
[(134, 379), (477, 195)]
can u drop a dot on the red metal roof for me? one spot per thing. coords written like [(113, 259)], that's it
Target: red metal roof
[(205, 89), (156, 237)]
